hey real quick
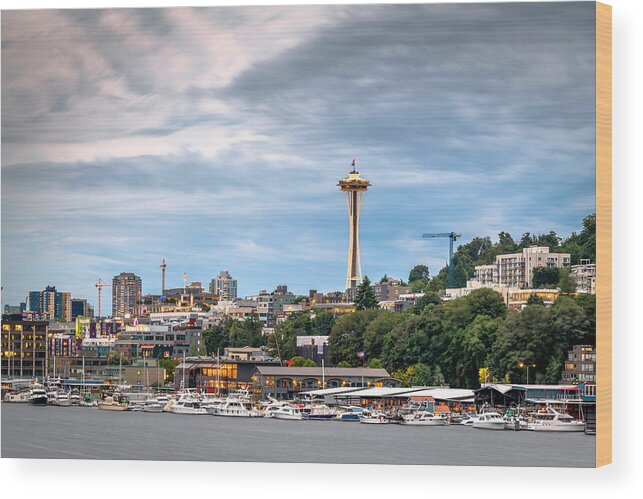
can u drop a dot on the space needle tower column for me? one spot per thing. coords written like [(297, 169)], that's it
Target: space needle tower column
[(354, 186)]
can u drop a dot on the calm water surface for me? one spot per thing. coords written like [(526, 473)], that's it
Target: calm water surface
[(89, 433)]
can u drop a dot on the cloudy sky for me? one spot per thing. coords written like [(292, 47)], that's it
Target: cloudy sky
[(215, 138)]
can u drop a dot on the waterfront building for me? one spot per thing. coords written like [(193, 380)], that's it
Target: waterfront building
[(223, 375), (354, 186), (580, 366), (516, 270), (52, 304), (585, 277), (126, 294), (23, 348), (287, 382), (224, 286), (314, 348)]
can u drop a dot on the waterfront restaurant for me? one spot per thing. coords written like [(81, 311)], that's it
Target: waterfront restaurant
[(223, 376), (286, 382)]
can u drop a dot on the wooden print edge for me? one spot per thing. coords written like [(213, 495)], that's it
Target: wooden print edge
[(603, 234)]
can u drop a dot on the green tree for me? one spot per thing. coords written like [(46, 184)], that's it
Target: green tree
[(423, 301), (365, 298), (170, 366), (534, 299), (297, 361), (419, 273), (545, 277), (565, 282), (347, 337), (375, 364)]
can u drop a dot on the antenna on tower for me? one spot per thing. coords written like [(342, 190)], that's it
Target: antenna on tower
[(163, 267)]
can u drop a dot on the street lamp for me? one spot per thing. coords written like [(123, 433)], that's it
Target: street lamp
[(522, 364)]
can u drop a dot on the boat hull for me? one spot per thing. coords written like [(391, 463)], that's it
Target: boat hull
[(489, 425), (38, 400), (112, 407), (289, 417), (567, 427), (423, 422)]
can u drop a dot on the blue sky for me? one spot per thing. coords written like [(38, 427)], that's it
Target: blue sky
[(215, 138)]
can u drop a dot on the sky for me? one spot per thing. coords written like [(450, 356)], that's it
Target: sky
[(215, 137)]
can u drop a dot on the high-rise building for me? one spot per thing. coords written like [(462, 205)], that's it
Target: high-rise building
[(224, 286), (126, 293), (80, 308), (55, 305), (354, 186)]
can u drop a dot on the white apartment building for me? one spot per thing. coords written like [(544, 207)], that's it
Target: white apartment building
[(585, 277), (224, 286), (516, 270)]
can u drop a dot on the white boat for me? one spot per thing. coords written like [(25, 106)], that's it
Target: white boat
[(17, 398), (553, 420), (268, 408), (188, 404), (489, 420), (153, 405), (289, 412), (373, 417), (423, 418), (74, 397), (467, 419), (62, 399), (317, 411), (515, 421), (237, 404), (350, 413), (38, 395)]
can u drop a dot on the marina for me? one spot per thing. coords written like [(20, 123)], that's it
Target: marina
[(88, 433)]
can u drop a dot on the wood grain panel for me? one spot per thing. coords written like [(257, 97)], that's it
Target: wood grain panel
[(603, 234)]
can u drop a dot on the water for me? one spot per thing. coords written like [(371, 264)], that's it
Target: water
[(89, 433)]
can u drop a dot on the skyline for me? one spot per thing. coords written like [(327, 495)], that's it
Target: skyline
[(215, 138)]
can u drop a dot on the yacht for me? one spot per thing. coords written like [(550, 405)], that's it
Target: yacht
[(489, 420), (553, 420), (153, 406), (423, 418), (74, 397), (350, 413), (373, 417), (187, 403), (514, 421), (268, 408), (288, 411), (62, 399), (237, 404), (38, 395), (17, 397), (317, 411), (113, 404), (467, 419)]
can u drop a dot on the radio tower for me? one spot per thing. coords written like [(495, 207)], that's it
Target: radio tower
[(163, 266), (354, 186)]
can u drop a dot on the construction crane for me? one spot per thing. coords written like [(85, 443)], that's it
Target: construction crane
[(100, 285), (452, 237)]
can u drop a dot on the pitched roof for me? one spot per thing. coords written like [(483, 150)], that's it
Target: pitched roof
[(329, 372)]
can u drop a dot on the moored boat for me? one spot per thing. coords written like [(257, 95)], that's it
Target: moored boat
[(112, 404), (288, 412), (552, 420), (489, 420), (350, 413), (38, 395), (423, 418), (373, 417)]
